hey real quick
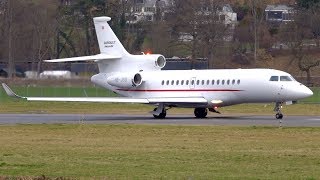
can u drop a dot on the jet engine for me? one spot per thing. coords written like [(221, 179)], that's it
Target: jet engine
[(124, 80), (160, 61)]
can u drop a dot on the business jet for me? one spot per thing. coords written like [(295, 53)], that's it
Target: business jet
[(139, 79)]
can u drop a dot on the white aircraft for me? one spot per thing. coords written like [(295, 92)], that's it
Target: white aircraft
[(139, 79)]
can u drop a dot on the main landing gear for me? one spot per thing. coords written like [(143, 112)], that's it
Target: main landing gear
[(277, 109), (161, 115), (200, 112), (160, 112)]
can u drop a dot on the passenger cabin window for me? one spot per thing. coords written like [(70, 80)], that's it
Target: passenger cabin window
[(167, 82), (274, 78), (182, 82), (177, 82), (162, 83), (208, 82), (285, 78), (238, 82), (212, 82), (187, 82), (198, 82), (172, 82), (202, 82)]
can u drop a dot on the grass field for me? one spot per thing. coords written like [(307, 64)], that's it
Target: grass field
[(159, 152), (10, 105), (153, 151)]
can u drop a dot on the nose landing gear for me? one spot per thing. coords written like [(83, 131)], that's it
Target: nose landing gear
[(277, 109)]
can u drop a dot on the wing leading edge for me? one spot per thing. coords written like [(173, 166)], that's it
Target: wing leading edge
[(184, 100)]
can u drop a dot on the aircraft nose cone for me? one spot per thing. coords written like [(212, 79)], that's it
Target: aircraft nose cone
[(306, 92), (309, 92)]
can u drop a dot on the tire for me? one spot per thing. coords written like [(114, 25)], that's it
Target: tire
[(200, 112), (162, 115), (279, 116)]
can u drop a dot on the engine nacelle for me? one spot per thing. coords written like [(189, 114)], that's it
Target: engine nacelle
[(160, 61), (125, 80)]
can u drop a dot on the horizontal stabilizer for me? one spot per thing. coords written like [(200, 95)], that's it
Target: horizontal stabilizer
[(97, 57)]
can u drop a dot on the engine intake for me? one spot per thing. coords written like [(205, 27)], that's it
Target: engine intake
[(137, 80), (160, 62), (125, 80)]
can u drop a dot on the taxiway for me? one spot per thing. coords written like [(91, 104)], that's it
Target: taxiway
[(289, 121)]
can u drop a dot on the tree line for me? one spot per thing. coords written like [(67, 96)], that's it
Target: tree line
[(31, 31)]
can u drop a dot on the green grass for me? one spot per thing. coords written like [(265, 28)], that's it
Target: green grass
[(159, 152)]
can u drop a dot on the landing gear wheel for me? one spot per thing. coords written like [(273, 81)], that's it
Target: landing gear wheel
[(162, 115), (200, 112), (277, 109), (279, 116)]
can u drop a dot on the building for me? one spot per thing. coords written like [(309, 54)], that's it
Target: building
[(3, 6), (66, 2), (227, 15), (276, 14), (146, 10)]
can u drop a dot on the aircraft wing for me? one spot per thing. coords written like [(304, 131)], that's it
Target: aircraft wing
[(184, 100), (97, 57)]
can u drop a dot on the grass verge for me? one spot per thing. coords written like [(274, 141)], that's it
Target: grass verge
[(153, 152), (123, 108)]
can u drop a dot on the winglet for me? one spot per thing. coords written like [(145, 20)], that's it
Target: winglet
[(10, 92)]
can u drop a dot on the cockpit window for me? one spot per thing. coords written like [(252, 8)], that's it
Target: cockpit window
[(285, 78), (293, 78), (274, 78)]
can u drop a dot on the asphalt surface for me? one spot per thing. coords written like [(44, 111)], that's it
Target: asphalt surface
[(289, 121)]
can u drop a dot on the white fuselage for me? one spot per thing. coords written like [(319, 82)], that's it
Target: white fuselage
[(219, 87)]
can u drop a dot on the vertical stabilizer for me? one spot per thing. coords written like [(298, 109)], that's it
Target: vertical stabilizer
[(108, 42)]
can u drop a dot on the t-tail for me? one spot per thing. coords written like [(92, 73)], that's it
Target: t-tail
[(113, 57), (110, 46), (109, 43)]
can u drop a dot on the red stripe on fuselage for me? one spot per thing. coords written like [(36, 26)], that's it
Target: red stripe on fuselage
[(179, 90)]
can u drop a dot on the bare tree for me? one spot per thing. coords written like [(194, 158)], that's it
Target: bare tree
[(44, 28), (3, 28), (9, 15), (185, 25), (160, 38), (306, 63), (295, 34), (89, 9), (257, 14), (214, 29), (197, 23), (314, 11)]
